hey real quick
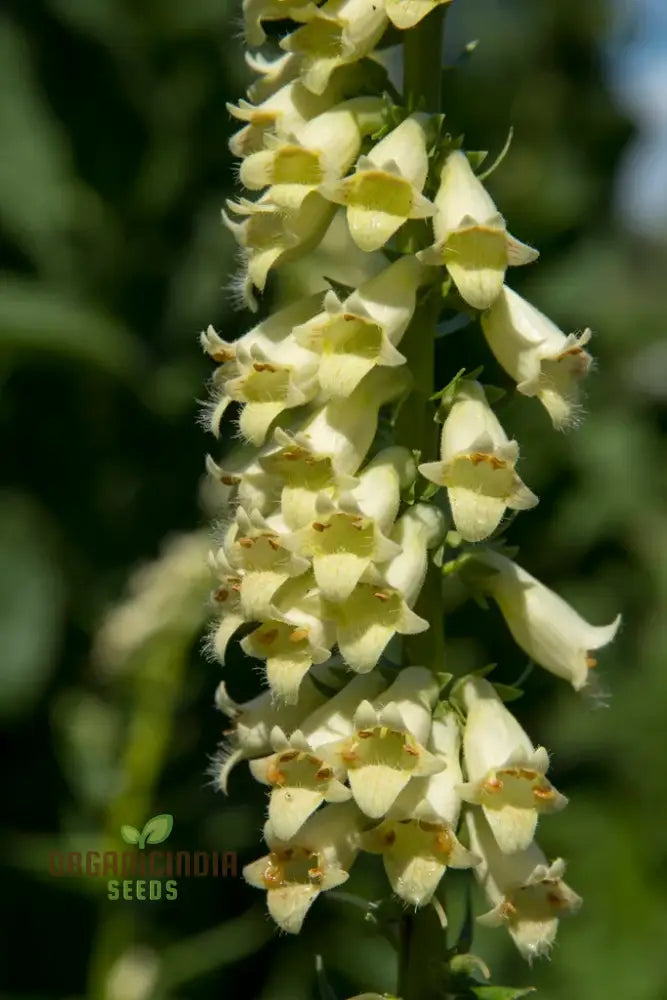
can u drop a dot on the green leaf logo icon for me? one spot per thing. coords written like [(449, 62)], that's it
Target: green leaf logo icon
[(155, 831)]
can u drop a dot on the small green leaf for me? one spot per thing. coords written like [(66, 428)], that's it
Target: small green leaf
[(484, 671), (157, 829), (446, 396), (450, 385), (130, 834), (507, 692), (500, 992)]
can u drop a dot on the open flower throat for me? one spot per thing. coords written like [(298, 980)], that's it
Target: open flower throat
[(374, 223)]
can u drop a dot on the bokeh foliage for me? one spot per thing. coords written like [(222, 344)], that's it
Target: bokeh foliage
[(113, 170)]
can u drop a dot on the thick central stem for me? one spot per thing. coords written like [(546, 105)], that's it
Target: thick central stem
[(423, 941), (422, 63)]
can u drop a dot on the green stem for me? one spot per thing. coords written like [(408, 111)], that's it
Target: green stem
[(422, 949), (157, 688), (422, 63), (415, 428), (421, 969)]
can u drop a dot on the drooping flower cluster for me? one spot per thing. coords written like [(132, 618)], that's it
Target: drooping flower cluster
[(331, 526)]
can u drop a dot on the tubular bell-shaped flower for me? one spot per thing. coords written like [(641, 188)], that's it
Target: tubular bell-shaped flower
[(300, 774), (527, 894), (257, 11), (342, 543), (471, 237), (253, 722), (271, 235), (322, 149), (387, 748), (541, 358), (295, 636), (303, 475), (343, 429), (506, 774), (386, 188), (341, 32), (550, 631), (378, 610), (257, 553), (352, 336), (477, 465), (417, 838), (270, 373), (283, 111), (295, 872)]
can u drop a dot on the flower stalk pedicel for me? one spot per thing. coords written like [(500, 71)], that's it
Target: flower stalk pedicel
[(341, 499)]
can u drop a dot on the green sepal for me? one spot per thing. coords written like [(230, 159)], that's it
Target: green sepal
[(444, 679), (494, 393), (508, 692), (446, 396), (476, 158)]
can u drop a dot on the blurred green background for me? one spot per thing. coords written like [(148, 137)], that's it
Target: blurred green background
[(113, 169)]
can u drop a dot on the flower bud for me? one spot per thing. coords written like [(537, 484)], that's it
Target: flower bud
[(541, 358), (377, 492), (476, 466), (421, 528)]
